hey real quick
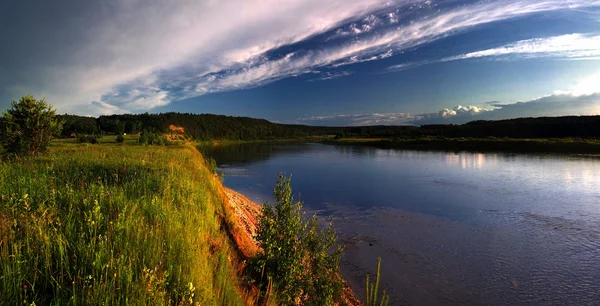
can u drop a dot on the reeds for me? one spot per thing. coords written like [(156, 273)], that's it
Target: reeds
[(372, 290)]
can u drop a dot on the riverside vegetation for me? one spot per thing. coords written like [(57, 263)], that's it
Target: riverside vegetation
[(114, 224), (550, 134), (117, 221)]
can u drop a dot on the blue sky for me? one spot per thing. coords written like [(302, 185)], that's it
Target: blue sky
[(335, 62)]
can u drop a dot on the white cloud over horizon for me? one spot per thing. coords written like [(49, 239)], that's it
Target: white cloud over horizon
[(137, 57), (556, 104)]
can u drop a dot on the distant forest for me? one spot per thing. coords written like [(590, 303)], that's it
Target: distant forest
[(219, 127)]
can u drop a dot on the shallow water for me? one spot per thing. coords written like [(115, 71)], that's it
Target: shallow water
[(451, 228)]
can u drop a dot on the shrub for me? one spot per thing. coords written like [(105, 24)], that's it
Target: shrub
[(151, 138), (28, 127), (212, 164), (297, 256), (322, 283), (93, 139), (279, 228), (120, 138)]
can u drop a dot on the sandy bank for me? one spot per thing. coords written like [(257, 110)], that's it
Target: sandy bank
[(245, 214)]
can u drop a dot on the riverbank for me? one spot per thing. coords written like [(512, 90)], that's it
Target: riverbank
[(542, 145), (115, 224), (124, 222), (244, 215)]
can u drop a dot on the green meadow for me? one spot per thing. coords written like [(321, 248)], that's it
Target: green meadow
[(113, 224)]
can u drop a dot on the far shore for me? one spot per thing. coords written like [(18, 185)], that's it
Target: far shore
[(589, 146), (537, 145)]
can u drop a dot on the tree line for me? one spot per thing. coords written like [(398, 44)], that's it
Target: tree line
[(217, 127)]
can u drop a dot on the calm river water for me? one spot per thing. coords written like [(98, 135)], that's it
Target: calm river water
[(451, 228)]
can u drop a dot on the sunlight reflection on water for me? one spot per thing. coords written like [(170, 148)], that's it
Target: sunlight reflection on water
[(452, 228)]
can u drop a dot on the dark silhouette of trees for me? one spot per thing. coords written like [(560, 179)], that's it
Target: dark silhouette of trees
[(217, 127)]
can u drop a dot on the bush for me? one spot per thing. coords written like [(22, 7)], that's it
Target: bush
[(93, 139), (212, 164), (297, 256), (151, 138), (28, 127), (120, 138)]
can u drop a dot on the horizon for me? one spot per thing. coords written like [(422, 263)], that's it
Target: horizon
[(308, 62), (330, 126)]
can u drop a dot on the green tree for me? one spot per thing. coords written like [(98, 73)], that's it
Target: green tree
[(278, 231), (322, 283), (298, 257), (28, 126)]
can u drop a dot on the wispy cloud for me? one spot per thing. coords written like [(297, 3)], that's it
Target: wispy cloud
[(139, 56), (330, 75), (572, 46), (567, 46), (379, 45), (357, 119)]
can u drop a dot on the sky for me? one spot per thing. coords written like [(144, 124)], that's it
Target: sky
[(315, 62)]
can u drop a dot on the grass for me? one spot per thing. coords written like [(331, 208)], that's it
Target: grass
[(114, 224)]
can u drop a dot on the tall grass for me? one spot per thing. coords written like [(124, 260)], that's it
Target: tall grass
[(373, 288), (114, 224)]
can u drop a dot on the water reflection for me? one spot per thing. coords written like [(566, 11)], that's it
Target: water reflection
[(251, 152), (452, 227), (468, 160)]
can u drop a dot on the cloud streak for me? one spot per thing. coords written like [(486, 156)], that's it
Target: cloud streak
[(136, 56), (570, 46), (382, 44), (358, 119)]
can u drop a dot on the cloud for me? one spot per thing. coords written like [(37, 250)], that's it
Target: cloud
[(357, 119), (570, 46), (377, 46), (557, 104), (180, 41), (136, 55), (567, 46), (330, 75)]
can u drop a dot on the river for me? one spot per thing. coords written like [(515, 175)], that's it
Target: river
[(450, 227)]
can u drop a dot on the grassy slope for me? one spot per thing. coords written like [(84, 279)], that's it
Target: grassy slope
[(114, 224)]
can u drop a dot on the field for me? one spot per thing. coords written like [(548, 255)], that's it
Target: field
[(115, 224)]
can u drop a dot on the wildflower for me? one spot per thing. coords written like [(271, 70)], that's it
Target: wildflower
[(25, 286)]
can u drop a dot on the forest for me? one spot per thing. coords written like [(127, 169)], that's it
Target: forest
[(220, 127)]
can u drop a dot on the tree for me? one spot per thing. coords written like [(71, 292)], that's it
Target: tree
[(278, 231), (298, 257), (28, 126)]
